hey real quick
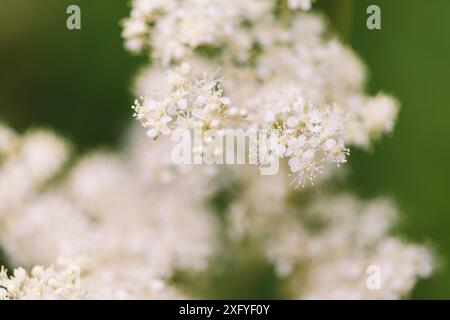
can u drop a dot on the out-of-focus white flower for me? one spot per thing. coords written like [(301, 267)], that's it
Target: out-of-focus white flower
[(325, 246), (31, 160), (300, 4), (128, 231)]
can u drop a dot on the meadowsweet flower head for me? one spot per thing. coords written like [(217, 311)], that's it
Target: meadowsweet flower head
[(288, 77), (53, 283), (130, 223)]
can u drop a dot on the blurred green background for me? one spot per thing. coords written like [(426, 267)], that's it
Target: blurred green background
[(77, 82)]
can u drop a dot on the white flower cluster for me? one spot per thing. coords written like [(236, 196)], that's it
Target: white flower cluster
[(400, 264), (323, 246), (284, 71), (305, 133), (310, 136), (185, 103), (63, 282), (27, 162), (277, 68), (175, 29), (131, 224), (118, 225)]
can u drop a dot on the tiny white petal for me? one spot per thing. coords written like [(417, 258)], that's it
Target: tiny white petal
[(294, 164), (225, 101), (292, 121), (182, 104), (308, 156), (329, 144), (269, 117), (152, 133)]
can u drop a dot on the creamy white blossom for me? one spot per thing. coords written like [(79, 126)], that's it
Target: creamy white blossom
[(264, 67), (103, 215), (325, 246), (62, 282), (131, 224)]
